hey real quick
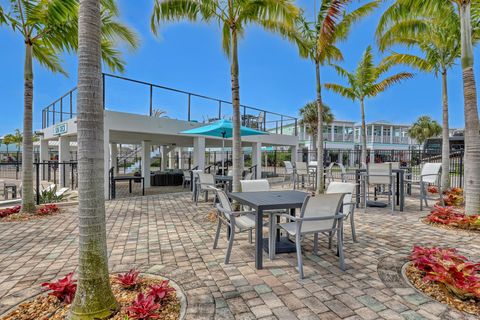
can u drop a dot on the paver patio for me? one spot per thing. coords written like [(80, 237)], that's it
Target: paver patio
[(168, 235)]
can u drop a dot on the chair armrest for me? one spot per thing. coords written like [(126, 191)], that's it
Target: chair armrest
[(296, 219), (429, 175), (234, 213)]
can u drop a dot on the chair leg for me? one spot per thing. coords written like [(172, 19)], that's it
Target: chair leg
[(217, 234), (250, 233), (315, 243), (298, 245), (230, 244), (352, 224), (421, 196), (340, 249), (330, 235)]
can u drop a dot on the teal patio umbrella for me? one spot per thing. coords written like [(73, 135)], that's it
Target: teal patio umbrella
[(222, 129)]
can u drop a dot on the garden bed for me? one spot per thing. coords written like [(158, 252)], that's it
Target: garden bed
[(452, 218), (14, 214), (445, 276), (132, 301)]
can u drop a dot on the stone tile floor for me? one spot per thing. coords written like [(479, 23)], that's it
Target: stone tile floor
[(168, 235)]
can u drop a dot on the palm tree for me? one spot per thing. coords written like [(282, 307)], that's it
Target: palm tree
[(49, 28), (469, 12), (7, 140), (317, 41), (309, 118), (425, 128), (17, 140), (437, 36), (364, 83), (94, 298), (277, 16)]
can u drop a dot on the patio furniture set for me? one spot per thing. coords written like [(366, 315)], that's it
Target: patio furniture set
[(318, 214)]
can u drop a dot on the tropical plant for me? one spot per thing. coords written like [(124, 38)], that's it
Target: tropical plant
[(364, 83), (450, 269), (450, 216), (278, 16), (50, 196), (63, 289), (7, 140), (144, 308), (9, 211), (469, 12), (317, 41), (160, 291), (47, 209), (425, 128), (47, 29), (437, 36), (309, 119), (128, 280), (94, 298)]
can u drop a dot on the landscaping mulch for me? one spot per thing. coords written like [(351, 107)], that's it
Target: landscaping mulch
[(16, 217), (450, 227), (439, 292), (48, 307)]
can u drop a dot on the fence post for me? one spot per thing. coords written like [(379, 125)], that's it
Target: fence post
[(61, 109), (189, 101), (71, 105), (296, 128), (37, 184), (461, 169), (151, 100), (219, 109), (103, 90)]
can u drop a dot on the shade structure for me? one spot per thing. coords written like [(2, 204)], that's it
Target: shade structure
[(222, 129)]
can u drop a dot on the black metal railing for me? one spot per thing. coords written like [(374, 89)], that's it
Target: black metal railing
[(196, 107)]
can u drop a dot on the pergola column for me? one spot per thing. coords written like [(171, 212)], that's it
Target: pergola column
[(163, 155), (294, 154), (114, 157), (146, 161), (171, 159), (257, 158), (199, 152), (180, 158), (64, 156)]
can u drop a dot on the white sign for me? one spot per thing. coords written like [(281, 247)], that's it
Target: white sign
[(60, 129)]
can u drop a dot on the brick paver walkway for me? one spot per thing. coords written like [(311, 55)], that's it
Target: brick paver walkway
[(168, 235)]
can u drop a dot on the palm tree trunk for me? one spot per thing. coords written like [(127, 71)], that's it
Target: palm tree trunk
[(445, 180), (320, 172), (472, 125), (237, 142), (28, 204), (94, 298), (363, 156)]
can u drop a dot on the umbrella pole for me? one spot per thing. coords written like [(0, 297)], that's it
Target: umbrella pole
[(223, 156)]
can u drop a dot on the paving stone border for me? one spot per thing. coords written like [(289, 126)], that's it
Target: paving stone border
[(391, 270)]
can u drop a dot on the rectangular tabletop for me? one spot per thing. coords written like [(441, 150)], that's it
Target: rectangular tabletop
[(266, 200)]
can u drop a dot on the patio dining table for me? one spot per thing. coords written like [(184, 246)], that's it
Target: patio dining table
[(268, 200), (399, 180)]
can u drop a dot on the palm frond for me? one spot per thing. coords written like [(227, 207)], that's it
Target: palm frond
[(175, 10), (341, 90), (414, 61), (47, 57), (112, 57), (386, 83), (327, 21), (349, 19), (114, 31)]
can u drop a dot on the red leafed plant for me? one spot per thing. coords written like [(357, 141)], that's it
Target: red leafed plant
[(128, 280), (452, 217), (64, 289), (453, 197), (449, 269), (144, 308), (160, 291), (48, 209), (432, 189), (8, 211)]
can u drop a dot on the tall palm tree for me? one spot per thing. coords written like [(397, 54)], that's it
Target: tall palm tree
[(7, 140), (424, 128), (277, 16), (317, 41), (364, 83), (309, 118), (49, 28), (17, 140), (437, 36), (469, 12), (94, 298)]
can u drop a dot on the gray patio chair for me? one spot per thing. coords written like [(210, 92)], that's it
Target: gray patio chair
[(346, 175), (236, 221), (205, 181), (348, 208), (301, 171), (248, 176), (186, 179), (430, 175), (319, 214), (380, 176), (289, 172), (2, 188)]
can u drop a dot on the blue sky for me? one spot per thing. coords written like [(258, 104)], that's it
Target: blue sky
[(188, 56)]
